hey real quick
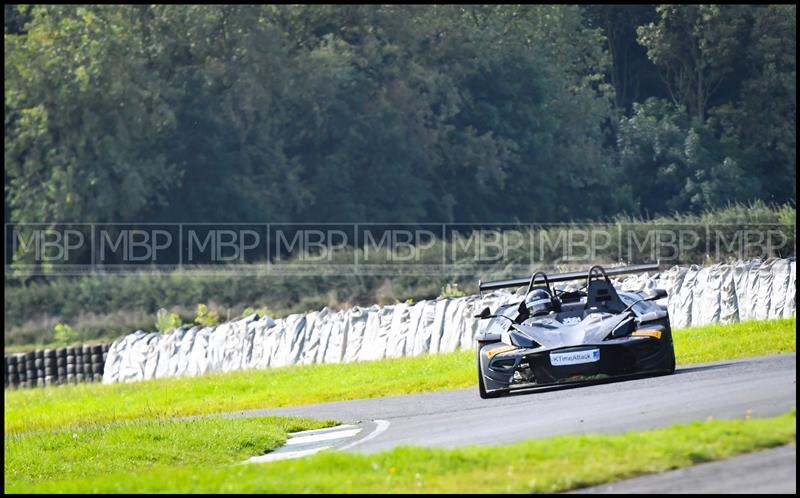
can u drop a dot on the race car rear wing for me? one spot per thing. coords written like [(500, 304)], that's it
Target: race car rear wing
[(564, 277)]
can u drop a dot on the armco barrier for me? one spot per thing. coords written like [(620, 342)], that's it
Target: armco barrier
[(721, 293), (47, 367)]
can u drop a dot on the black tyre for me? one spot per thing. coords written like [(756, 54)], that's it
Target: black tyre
[(481, 386), (671, 357)]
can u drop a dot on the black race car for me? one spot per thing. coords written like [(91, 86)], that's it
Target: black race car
[(573, 335)]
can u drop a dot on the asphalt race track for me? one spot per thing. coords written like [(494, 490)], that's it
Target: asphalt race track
[(762, 386), (728, 389), (768, 471)]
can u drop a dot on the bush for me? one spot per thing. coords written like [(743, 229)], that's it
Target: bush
[(206, 317), (451, 290), (166, 321), (64, 334)]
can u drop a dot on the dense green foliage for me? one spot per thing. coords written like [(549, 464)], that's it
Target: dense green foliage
[(69, 406), (384, 113)]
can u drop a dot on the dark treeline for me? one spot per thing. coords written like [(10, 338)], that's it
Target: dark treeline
[(395, 113)]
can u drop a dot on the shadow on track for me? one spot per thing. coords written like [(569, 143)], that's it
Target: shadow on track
[(702, 368), (574, 385)]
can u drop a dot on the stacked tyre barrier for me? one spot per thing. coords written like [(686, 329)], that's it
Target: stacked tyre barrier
[(48, 367), (722, 293)]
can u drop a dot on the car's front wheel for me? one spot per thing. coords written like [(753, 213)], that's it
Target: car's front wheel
[(481, 386), (671, 357)]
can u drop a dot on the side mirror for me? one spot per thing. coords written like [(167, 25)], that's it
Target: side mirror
[(654, 294), (485, 313)]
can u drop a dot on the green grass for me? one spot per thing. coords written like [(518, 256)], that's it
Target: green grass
[(738, 340), (70, 406), (66, 406), (546, 465), (100, 450), (119, 438)]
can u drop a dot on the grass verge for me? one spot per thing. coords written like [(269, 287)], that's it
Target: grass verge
[(546, 465), (739, 340), (96, 451), (70, 406)]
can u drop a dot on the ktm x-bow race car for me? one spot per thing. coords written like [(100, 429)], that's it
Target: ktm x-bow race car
[(580, 335)]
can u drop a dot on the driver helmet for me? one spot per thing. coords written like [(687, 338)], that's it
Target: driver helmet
[(539, 302)]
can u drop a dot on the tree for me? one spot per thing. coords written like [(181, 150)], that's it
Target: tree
[(86, 118), (631, 74), (696, 48), (15, 17), (674, 164), (760, 120), (251, 113)]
